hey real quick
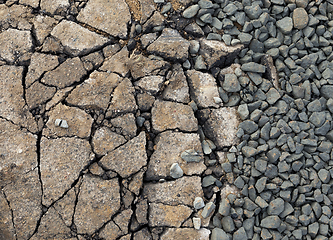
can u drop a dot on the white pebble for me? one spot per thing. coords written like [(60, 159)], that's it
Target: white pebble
[(64, 124), (57, 122), (196, 223)]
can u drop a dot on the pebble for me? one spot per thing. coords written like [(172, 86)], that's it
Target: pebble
[(196, 223), (228, 224), (198, 203), (300, 18), (61, 123), (285, 25), (191, 156), (208, 209), (191, 11), (176, 171), (271, 222), (253, 67), (208, 181), (231, 83)]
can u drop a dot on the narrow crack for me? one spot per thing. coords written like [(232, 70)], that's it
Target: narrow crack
[(12, 213)]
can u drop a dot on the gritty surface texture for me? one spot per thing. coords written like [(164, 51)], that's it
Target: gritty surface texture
[(166, 119)]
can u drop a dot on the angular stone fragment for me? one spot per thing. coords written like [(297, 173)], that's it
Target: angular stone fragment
[(104, 140), (24, 196), (61, 161), (141, 212), (12, 104), (125, 124), (203, 88), (270, 222), (69, 72), (15, 45), (52, 226), (129, 158), (98, 200), (117, 227), (39, 64), (217, 53), (169, 147), (95, 92), (221, 126), (38, 93), (43, 25), (165, 215), (17, 151), (190, 155), (59, 96), (177, 88), (77, 40), (117, 63), (181, 191), (123, 100), (170, 45), (110, 16), (79, 122), (169, 115), (186, 233), (141, 66), (54, 6)]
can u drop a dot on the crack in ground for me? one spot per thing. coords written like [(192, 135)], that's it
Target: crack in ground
[(11, 211)]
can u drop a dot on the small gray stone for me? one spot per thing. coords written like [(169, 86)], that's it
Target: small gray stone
[(300, 18), (208, 209), (230, 83), (176, 171), (191, 11), (276, 207), (228, 224), (271, 222), (225, 207), (249, 151), (240, 234), (208, 181), (248, 126), (219, 234), (324, 175), (253, 12), (196, 223), (253, 67), (191, 156), (285, 25), (198, 203), (243, 111)]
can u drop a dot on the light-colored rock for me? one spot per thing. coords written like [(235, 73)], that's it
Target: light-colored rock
[(129, 158), (217, 53), (54, 6), (170, 115), (61, 161), (24, 196), (181, 191), (151, 84), (165, 215), (12, 105), (186, 233), (67, 73), (39, 64), (203, 89), (79, 122), (43, 25), (123, 220), (170, 45), (95, 92), (15, 45), (136, 182), (141, 66), (104, 141), (38, 93), (110, 16), (196, 223), (17, 151), (123, 100), (98, 200), (117, 63), (76, 39), (168, 149), (221, 126), (177, 88), (141, 211), (125, 124)]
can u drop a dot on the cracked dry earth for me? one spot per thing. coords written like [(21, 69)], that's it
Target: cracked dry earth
[(157, 119)]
